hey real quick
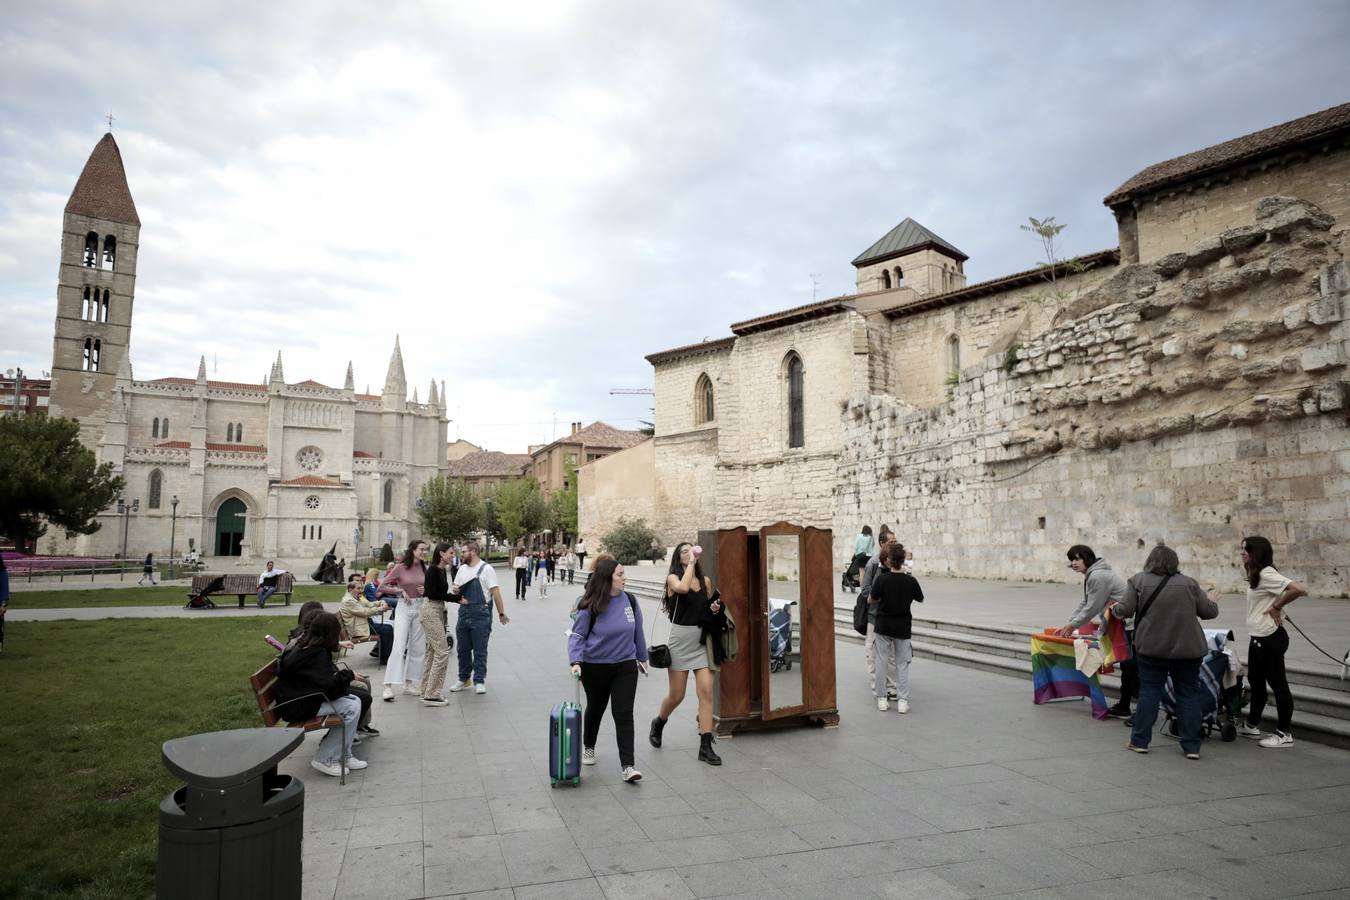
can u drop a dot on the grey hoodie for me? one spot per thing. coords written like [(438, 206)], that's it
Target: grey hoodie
[(1101, 585)]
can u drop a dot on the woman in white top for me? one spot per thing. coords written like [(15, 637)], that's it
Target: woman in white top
[(1268, 592), (521, 563)]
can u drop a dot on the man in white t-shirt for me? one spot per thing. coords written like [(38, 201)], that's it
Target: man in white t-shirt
[(476, 587)]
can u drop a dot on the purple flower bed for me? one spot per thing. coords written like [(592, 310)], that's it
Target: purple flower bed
[(17, 562)]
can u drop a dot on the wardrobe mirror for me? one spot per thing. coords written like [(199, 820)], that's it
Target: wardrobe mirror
[(782, 594)]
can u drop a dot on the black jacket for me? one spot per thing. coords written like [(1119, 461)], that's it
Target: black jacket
[(306, 677), (895, 593), (437, 585)]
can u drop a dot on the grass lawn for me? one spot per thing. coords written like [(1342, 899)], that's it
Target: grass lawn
[(88, 705), (156, 596)]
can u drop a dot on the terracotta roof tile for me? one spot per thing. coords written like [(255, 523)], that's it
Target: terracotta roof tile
[(361, 454), (175, 445), (599, 434), (227, 385), (102, 190), (486, 463), (1288, 135), (237, 448), (312, 481)]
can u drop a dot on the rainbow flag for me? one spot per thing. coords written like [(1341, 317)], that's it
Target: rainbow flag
[(1055, 676), (1115, 646)]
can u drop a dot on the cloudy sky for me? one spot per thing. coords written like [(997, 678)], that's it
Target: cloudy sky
[(536, 195)]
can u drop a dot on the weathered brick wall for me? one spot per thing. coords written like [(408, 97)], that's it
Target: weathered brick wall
[(1194, 400), (1170, 223)]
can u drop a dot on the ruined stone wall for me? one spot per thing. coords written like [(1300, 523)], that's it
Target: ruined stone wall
[(1173, 222), (983, 325), (1193, 400)]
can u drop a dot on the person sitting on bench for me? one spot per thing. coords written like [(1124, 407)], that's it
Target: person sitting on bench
[(267, 583), (355, 616), (309, 685)]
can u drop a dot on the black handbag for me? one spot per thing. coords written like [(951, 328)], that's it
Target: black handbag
[(658, 655), (860, 614)]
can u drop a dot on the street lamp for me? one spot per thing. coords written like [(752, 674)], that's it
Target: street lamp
[(173, 529), (125, 509)]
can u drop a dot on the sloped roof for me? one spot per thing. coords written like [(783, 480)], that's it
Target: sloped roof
[(102, 190), (230, 385), (599, 434), (311, 481), (795, 314), (691, 350), (1328, 123), (485, 463), (237, 448), (361, 454), (906, 237), (175, 445)]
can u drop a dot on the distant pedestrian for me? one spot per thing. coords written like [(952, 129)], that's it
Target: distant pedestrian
[(148, 569), (893, 593), (569, 562), (870, 571), (1268, 593), (580, 551), (521, 563), (865, 543), (551, 563)]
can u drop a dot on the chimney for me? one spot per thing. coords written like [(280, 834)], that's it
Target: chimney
[(576, 426)]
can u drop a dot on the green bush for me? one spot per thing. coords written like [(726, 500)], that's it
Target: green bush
[(630, 540), (386, 554)]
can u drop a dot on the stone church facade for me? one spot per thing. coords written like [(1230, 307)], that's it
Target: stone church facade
[(1188, 385), (270, 469)]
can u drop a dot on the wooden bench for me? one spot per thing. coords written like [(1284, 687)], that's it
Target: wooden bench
[(245, 585), (264, 683)]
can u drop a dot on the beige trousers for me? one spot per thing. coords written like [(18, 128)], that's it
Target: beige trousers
[(438, 654)]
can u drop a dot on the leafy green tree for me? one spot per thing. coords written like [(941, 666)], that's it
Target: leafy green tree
[(387, 553), (521, 507), (630, 540), (449, 511), (492, 522), (562, 506), (48, 476)]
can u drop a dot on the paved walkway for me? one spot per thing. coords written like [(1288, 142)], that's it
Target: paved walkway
[(976, 792)]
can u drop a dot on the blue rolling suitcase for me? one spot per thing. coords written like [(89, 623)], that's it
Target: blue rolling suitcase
[(564, 741)]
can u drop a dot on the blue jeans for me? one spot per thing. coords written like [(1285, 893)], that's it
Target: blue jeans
[(471, 641), (386, 633), (1153, 673), (265, 592), (338, 739)]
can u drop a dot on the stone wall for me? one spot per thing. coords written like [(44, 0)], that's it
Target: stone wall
[(621, 484), (1172, 222), (1193, 400)]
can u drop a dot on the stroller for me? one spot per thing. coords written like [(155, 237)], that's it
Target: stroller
[(1219, 706), (780, 634), (202, 599), (851, 579)]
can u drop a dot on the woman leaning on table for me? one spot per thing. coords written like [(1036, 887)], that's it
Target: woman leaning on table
[(1168, 640), (690, 603), (1268, 593), (407, 582)]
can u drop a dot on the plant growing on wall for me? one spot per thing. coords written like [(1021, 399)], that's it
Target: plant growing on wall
[(1048, 230), (449, 510)]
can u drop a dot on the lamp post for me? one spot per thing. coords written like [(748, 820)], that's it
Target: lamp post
[(173, 530), (125, 509)]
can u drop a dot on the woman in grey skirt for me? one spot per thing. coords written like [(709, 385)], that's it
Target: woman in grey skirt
[(689, 603)]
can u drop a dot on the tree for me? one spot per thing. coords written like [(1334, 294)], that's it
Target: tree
[(492, 522), (386, 553), (449, 510), (562, 506), (1048, 231), (630, 540), (49, 476), (521, 508)]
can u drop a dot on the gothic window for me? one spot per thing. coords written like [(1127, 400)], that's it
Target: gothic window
[(239, 432), (311, 502), (388, 496), (885, 280), (109, 253), (88, 304), (954, 354), (91, 250), (899, 277), (704, 410), (309, 458), (104, 311), (156, 488), (154, 428), (796, 376), (229, 433), (92, 348), (320, 532), (164, 427)]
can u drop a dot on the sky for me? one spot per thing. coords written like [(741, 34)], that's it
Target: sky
[(533, 196)]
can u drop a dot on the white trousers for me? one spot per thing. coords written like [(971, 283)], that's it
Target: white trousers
[(410, 645)]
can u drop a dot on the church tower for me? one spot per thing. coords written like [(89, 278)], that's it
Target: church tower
[(95, 289)]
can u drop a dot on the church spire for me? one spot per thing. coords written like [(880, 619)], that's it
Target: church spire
[(277, 376), (101, 191), (201, 370), (431, 395), (350, 383), (395, 382)]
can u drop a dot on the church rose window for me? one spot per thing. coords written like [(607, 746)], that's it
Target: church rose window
[(311, 502), (310, 458)]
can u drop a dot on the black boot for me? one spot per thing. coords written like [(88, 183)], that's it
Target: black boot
[(658, 724), (706, 753)]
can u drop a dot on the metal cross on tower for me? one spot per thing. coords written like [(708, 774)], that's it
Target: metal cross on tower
[(110, 121)]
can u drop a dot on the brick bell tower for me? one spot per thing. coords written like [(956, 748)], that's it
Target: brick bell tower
[(95, 289)]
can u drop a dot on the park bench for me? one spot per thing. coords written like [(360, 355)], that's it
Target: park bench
[(264, 683), (245, 585)]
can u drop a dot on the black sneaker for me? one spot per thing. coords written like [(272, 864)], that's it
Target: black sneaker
[(1118, 712)]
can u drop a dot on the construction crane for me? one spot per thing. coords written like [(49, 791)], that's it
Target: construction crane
[(632, 391)]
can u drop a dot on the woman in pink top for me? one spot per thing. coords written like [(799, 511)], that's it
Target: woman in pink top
[(407, 582)]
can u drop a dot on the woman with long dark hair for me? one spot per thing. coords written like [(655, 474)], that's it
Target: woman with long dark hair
[(407, 582), (310, 685), (607, 650), (689, 602), (433, 626), (1268, 592)]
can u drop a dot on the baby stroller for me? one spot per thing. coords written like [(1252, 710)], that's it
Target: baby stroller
[(1220, 706), (780, 634), (851, 580), (202, 599)]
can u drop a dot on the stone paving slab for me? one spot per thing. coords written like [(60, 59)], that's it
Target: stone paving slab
[(976, 792)]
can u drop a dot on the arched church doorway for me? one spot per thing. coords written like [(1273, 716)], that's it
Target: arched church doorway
[(230, 519)]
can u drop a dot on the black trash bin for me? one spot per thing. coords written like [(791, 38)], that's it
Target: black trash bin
[(233, 832)]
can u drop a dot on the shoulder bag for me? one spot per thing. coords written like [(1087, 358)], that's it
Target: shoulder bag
[(658, 655)]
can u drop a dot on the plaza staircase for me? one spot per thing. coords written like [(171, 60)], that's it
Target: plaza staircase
[(1321, 699)]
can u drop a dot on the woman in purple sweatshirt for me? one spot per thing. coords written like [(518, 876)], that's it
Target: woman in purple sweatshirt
[(607, 649)]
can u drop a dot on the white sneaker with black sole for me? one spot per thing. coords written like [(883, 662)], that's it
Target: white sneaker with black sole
[(1278, 739), (1249, 731), (588, 756)]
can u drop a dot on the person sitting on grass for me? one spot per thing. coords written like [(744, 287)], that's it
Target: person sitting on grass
[(309, 685)]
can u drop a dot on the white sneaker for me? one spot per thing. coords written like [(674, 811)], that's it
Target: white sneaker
[(480, 688), (631, 774), (459, 686), (413, 689), (388, 693), (1249, 731), (588, 756), (882, 704), (1278, 739), (326, 768), (435, 701), (902, 706), (353, 763)]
